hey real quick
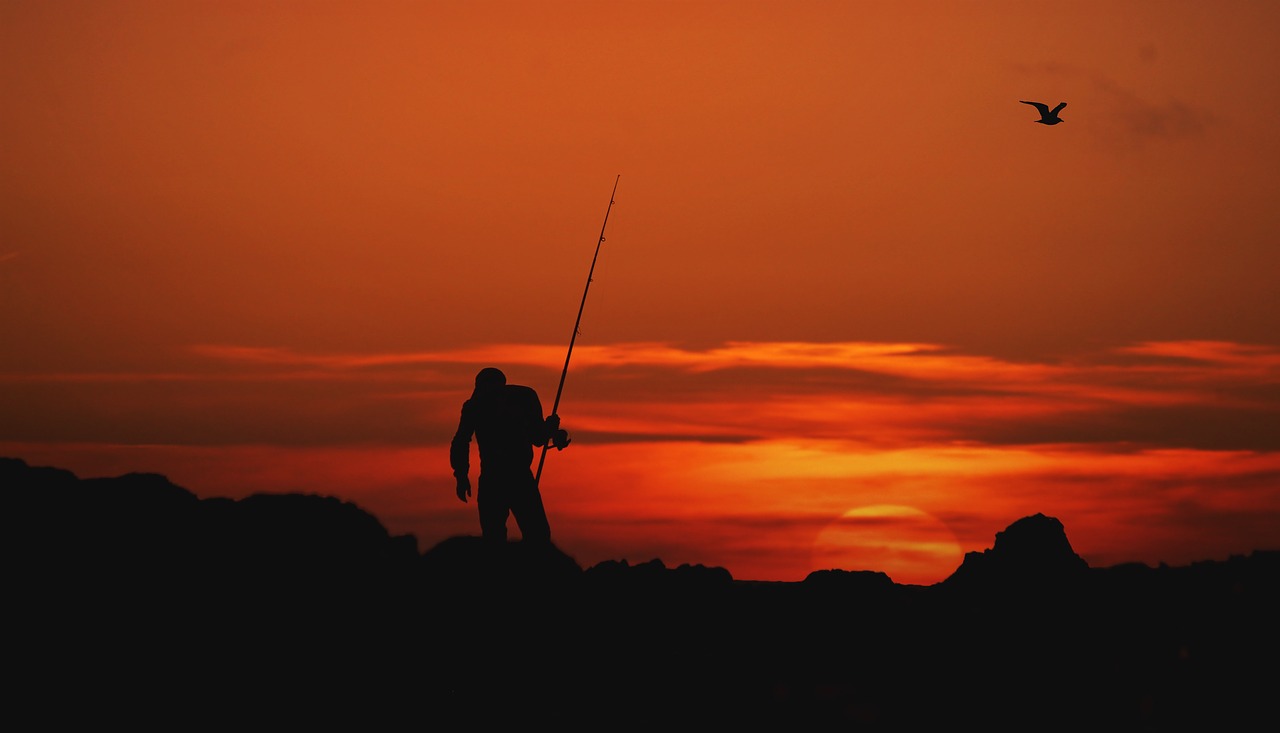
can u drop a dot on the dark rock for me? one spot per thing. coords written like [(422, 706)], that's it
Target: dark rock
[(852, 581), (1032, 553), (303, 608), (463, 556)]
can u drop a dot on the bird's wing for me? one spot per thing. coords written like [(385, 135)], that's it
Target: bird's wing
[(1044, 108), (1058, 109)]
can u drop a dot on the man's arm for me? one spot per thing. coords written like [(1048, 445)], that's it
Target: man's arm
[(460, 454)]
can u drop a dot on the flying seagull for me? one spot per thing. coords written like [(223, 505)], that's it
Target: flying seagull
[(1047, 116)]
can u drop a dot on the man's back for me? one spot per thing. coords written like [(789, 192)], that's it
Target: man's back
[(507, 423)]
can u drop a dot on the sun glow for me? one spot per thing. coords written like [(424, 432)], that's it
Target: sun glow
[(911, 546)]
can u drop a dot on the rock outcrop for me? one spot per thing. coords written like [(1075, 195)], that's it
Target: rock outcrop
[(1032, 553)]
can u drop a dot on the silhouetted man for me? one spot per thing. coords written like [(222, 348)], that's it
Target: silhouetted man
[(507, 422)]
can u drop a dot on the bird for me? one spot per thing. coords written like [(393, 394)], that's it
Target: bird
[(1047, 116)]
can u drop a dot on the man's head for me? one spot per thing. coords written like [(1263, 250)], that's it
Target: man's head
[(490, 378)]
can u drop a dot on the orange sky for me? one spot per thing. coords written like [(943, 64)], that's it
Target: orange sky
[(854, 307)]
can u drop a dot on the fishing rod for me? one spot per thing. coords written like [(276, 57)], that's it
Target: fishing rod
[(564, 372)]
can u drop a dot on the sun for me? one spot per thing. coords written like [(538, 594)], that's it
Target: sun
[(912, 547)]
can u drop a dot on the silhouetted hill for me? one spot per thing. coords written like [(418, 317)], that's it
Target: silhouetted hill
[(133, 600), (1033, 551)]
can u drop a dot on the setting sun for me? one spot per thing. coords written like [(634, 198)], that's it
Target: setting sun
[(908, 545)]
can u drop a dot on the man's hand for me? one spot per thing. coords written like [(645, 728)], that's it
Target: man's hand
[(560, 439), (464, 487)]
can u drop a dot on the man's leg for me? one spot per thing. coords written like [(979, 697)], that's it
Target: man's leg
[(530, 514), (494, 507)]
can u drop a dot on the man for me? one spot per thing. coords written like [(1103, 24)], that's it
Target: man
[(507, 422)]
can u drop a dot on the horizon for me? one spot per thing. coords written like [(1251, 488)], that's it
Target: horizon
[(1038, 525), (424, 549), (853, 306)]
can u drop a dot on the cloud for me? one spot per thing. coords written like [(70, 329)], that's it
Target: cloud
[(1199, 394), (1251, 357), (1146, 119)]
